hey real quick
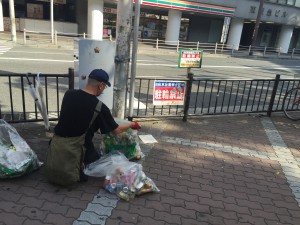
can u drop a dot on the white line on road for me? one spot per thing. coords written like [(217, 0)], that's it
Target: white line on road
[(4, 49), (44, 53), (40, 60), (288, 68)]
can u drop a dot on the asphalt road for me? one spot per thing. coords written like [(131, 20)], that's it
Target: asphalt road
[(22, 59)]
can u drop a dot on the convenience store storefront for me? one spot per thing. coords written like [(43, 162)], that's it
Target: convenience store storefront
[(72, 17), (152, 25)]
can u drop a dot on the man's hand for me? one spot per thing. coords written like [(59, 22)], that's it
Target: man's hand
[(135, 125)]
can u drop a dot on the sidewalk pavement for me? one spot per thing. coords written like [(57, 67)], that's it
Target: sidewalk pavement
[(232, 169)]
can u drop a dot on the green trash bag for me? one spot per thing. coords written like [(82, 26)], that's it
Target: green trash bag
[(16, 157), (126, 142)]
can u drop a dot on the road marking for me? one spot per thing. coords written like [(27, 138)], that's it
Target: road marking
[(287, 68), (44, 53), (40, 60), (4, 49)]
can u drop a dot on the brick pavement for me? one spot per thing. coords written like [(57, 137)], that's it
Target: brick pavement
[(236, 169)]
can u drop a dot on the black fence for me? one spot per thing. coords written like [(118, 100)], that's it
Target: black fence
[(18, 105), (203, 96), (217, 96)]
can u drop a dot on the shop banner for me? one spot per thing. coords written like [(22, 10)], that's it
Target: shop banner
[(168, 92), (190, 59)]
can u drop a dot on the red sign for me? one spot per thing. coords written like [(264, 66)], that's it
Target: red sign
[(168, 92)]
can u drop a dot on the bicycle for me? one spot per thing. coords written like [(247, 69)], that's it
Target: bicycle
[(291, 103)]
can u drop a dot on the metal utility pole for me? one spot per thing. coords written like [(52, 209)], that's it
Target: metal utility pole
[(123, 32), (255, 32), (137, 9), (52, 20), (12, 20)]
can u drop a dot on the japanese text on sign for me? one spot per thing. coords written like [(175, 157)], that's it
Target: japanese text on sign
[(190, 59), (169, 92)]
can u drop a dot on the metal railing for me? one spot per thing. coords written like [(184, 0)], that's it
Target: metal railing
[(16, 103), (203, 96), (60, 38), (217, 96), (215, 48), (67, 40)]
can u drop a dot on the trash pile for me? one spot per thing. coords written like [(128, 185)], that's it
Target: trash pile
[(16, 157), (124, 178)]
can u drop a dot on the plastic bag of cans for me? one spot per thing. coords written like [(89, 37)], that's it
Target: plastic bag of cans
[(123, 178), (129, 182)]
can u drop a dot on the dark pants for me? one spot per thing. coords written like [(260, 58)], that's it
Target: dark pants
[(91, 154)]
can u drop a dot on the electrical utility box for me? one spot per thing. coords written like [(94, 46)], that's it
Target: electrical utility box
[(95, 54)]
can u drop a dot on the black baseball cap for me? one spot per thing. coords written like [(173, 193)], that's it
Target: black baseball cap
[(100, 75)]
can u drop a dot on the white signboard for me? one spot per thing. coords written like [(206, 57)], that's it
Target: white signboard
[(96, 54)]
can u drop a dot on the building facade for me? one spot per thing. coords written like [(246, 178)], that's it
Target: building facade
[(206, 21)]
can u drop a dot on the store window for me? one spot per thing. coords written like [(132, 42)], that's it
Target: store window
[(109, 22), (290, 2), (155, 26), (35, 11), (151, 26), (283, 2), (273, 1)]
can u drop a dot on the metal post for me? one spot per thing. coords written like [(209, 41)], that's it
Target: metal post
[(232, 50), (55, 37), (12, 20), (137, 9), (51, 21), (279, 50), (250, 49), (83, 35), (24, 36), (270, 108), (197, 45), (188, 96), (157, 44), (216, 48), (293, 53), (123, 31), (71, 78), (265, 51), (177, 50), (222, 48)]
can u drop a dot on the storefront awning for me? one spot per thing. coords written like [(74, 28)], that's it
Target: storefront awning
[(191, 6)]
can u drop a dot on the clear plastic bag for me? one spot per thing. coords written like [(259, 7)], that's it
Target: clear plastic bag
[(106, 164), (122, 177), (16, 157), (126, 142)]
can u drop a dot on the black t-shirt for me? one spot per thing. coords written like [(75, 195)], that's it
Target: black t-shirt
[(76, 113)]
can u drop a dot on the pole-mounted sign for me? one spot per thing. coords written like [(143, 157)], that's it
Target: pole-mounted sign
[(190, 58)]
